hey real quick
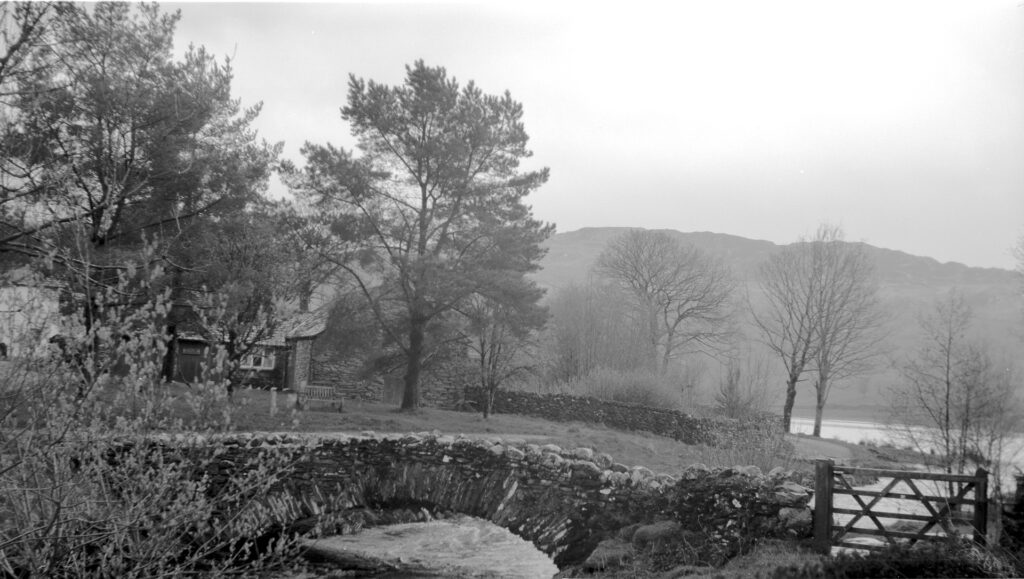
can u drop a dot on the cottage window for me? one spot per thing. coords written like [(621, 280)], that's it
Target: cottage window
[(257, 361)]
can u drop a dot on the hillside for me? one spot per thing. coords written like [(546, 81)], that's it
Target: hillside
[(909, 284), (572, 254)]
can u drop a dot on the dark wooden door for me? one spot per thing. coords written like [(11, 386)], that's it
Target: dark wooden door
[(189, 363)]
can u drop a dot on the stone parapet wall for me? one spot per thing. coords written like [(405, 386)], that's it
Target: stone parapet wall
[(663, 422), (565, 502)]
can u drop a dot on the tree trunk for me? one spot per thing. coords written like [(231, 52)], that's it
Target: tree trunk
[(233, 363), (652, 321), (666, 357), (819, 405), (485, 393), (488, 403), (170, 354), (818, 408), (411, 393), (787, 409)]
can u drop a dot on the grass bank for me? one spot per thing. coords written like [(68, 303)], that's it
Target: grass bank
[(657, 453), (660, 454)]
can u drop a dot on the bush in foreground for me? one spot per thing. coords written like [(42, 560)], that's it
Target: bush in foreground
[(953, 559), (760, 443), (86, 491)]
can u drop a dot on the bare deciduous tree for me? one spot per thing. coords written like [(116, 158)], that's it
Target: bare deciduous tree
[(500, 334), (847, 315), (786, 321), (954, 399), (25, 27), (681, 292), (743, 388), (930, 379), (821, 313), (590, 329)]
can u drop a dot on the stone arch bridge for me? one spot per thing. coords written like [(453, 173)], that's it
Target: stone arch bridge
[(563, 501)]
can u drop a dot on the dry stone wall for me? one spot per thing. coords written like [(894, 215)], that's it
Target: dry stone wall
[(346, 378), (350, 382), (663, 422), (565, 501), (439, 393)]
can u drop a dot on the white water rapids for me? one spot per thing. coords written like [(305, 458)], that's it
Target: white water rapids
[(461, 546)]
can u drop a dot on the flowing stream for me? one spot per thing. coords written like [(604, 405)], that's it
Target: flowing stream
[(460, 546)]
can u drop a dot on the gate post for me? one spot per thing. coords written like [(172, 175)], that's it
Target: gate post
[(823, 505), (981, 507)]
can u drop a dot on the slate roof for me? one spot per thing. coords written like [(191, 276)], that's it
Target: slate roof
[(299, 326)]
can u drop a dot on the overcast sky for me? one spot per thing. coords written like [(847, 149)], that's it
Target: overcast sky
[(902, 121)]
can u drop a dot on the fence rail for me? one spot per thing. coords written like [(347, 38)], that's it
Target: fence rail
[(942, 511), (319, 393)]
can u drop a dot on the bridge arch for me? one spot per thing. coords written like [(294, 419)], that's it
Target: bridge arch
[(565, 502)]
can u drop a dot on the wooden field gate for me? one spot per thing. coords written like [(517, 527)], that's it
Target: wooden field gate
[(942, 511)]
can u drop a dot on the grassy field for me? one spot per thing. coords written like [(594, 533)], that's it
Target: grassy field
[(658, 453), (251, 412)]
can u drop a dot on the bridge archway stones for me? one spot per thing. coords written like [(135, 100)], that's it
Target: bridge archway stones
[(565, 502)]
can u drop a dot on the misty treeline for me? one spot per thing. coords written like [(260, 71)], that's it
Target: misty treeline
[(658, 306), (810, 316)]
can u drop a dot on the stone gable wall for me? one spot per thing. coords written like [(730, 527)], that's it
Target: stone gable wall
[(301, 359)]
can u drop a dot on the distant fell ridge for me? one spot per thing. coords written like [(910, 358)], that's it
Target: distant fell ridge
[(909, 285), (571, 255)]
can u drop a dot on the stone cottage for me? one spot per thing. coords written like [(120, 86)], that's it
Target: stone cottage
[(280, 361)]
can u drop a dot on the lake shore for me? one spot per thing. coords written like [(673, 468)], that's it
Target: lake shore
[(858, 413)]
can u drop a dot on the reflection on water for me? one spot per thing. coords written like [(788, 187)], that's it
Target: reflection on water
[(461, 546), (1012, 458), (845, 430)]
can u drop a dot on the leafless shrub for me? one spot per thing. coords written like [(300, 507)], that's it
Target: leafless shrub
[(743, 388), (762, 445), (84, 488)]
